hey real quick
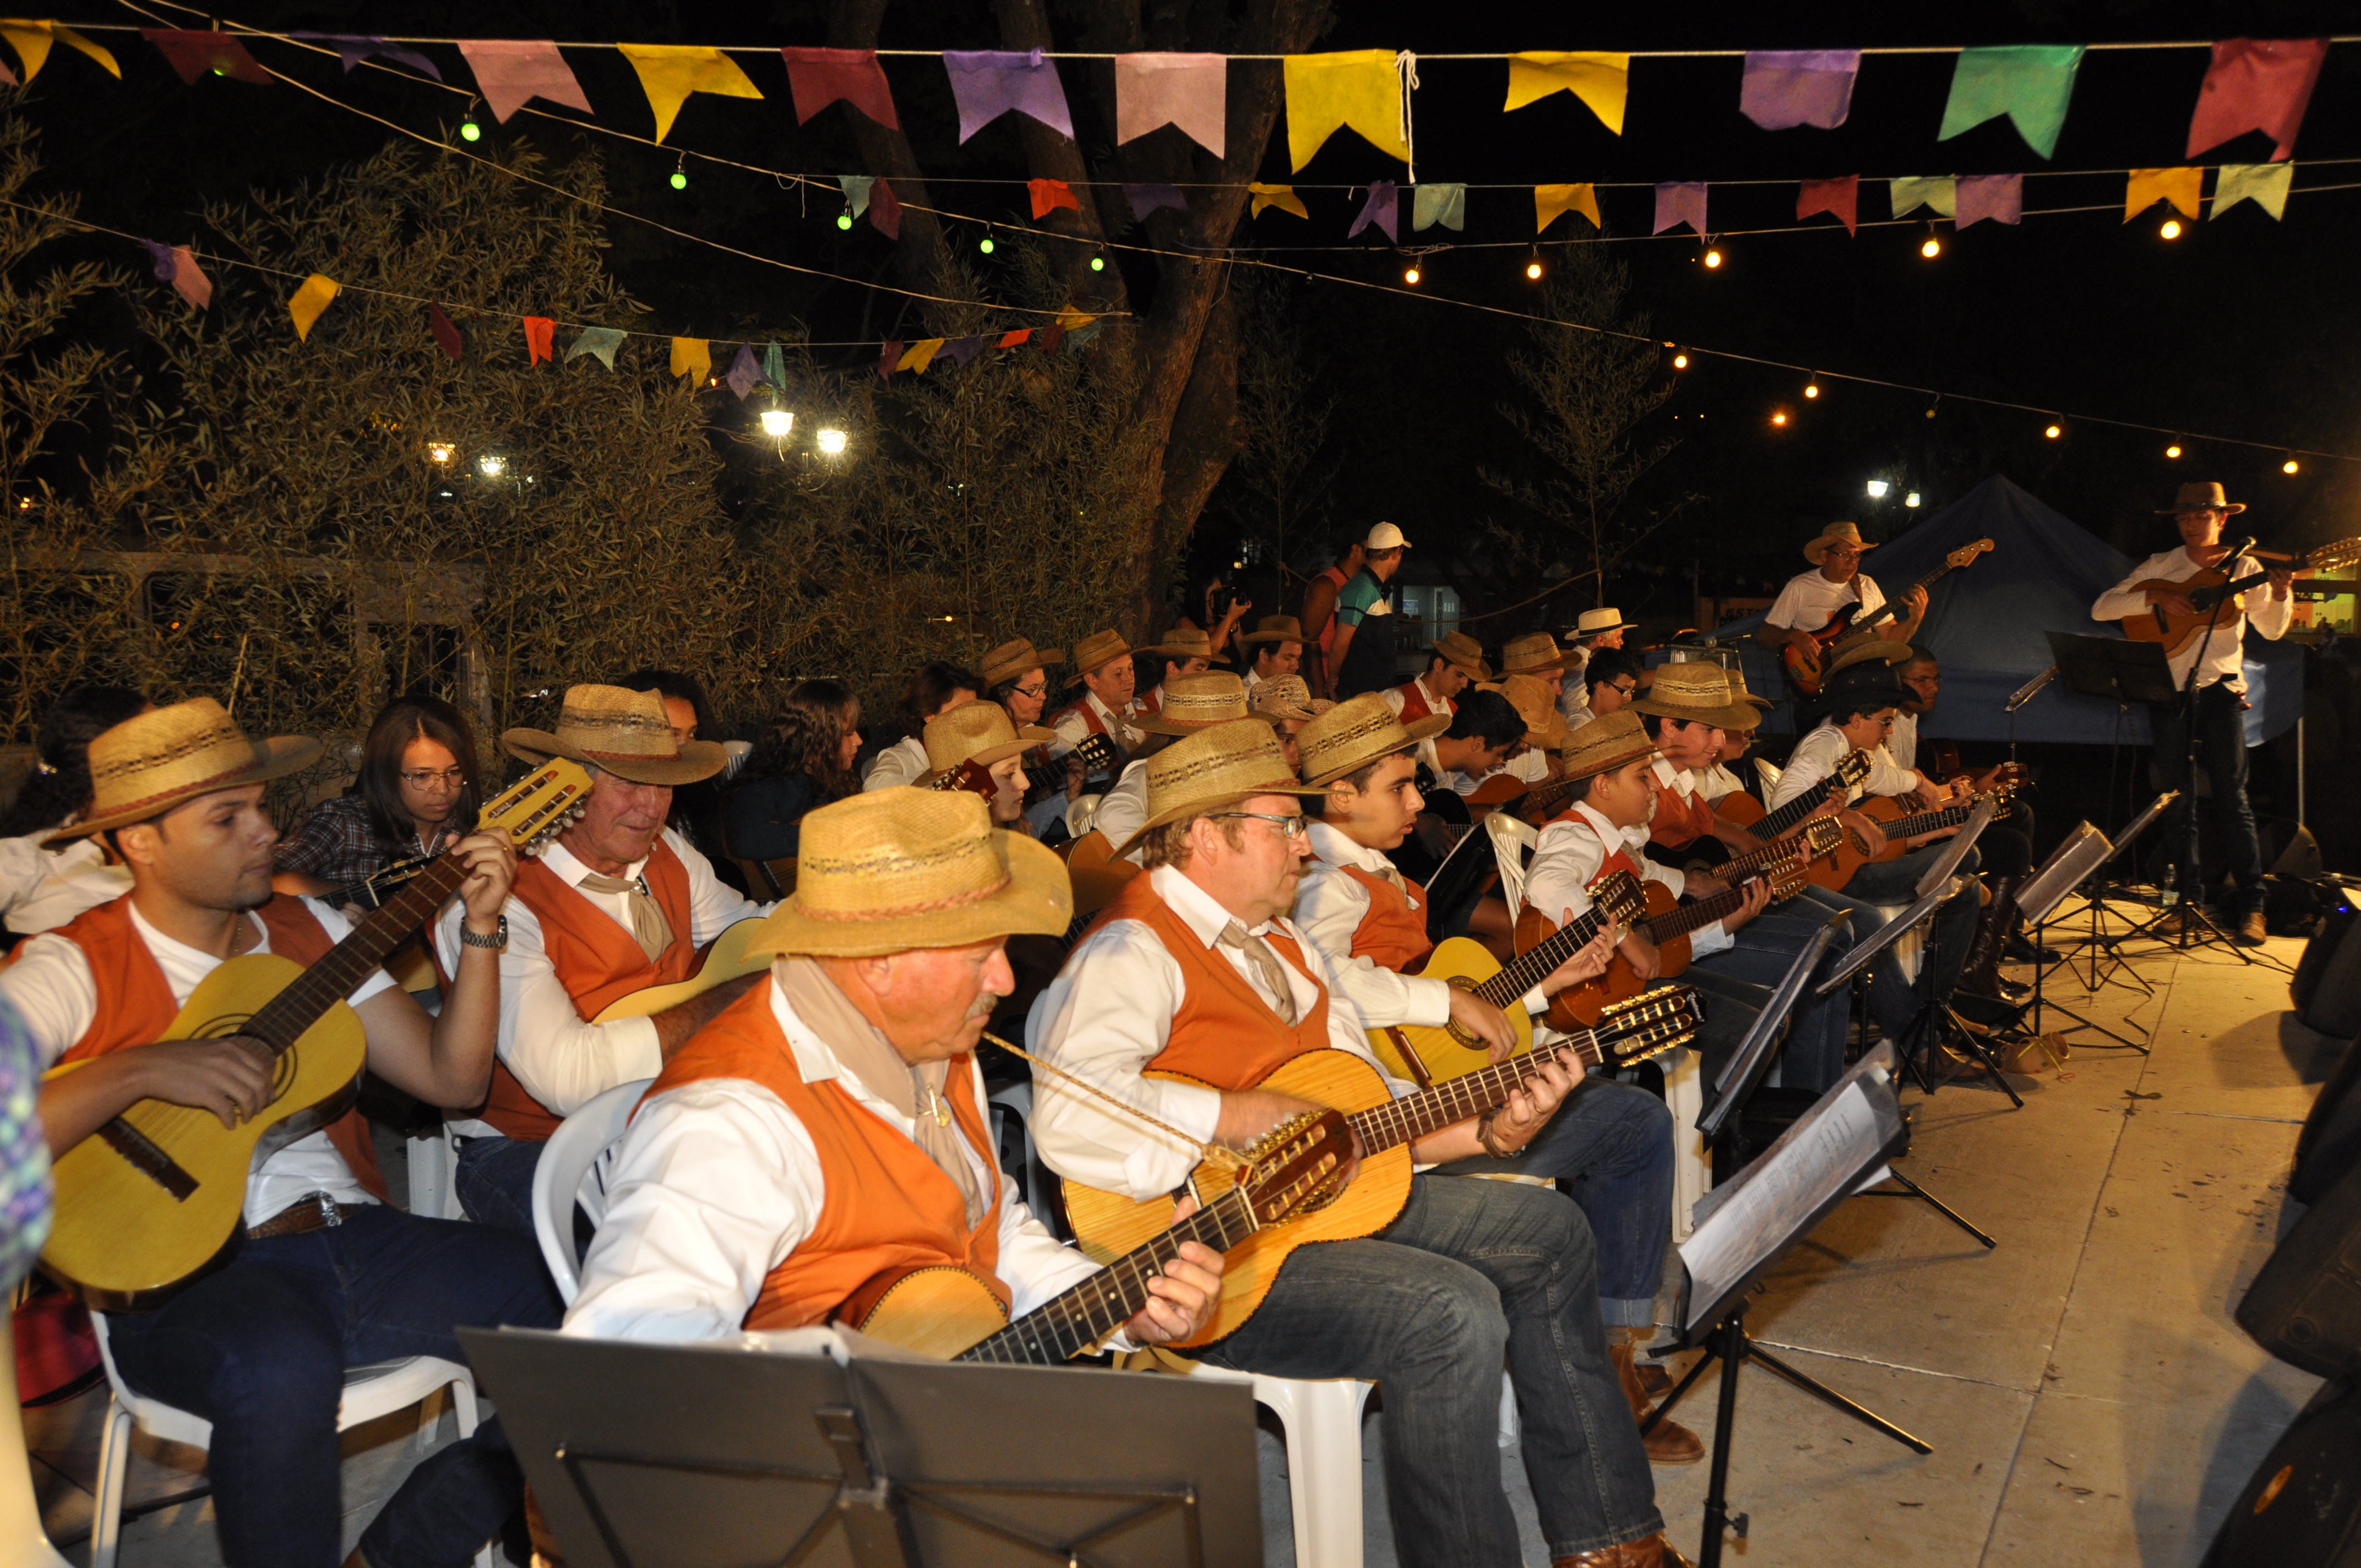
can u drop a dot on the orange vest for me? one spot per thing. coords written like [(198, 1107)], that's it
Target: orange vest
[(596, 960), (1225, 1033), (888, 1208), (1416, 707), (136, 1005), (1679, 821), (1153, 702), (1392, 935), (1616, 859)]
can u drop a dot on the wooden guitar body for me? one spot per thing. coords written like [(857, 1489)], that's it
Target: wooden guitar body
[(2206, 588), (1466, 963), (1584, 1004), (936, 1311), (1738, 809), (725, 958), (1833, 871), (1806, 667), (1108, 1224), (130, 1242)]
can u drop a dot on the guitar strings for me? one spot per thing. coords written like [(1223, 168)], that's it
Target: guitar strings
[(1225, 1157)]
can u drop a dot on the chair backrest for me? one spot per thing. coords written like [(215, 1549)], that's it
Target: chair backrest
[(1512, 851), (1080, 814), (1769, 773), (567, 1160), (771, 879)]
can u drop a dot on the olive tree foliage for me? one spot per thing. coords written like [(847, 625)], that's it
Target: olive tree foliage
[(1278, 485)]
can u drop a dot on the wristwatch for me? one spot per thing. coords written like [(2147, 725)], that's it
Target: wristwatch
[(496, 942)]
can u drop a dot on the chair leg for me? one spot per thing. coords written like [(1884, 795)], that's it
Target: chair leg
[(1323, 1467), (430, 1419), (463, 1400), (23, 1542), (1509, 1427), (113, 1464)]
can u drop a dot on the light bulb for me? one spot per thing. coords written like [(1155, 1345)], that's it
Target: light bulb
[(679, 180), (2288, 467), (1680, 361), (470, 131), (1533, 270), (986, 246), (491, 464), (1813, 391), (777, 422), (438, 452), (831, 441), (1877, 488), (1779, 418), (1911, 499), (2173, 450), (1932, 248), (2171, 229), (1098, 263), (1713, 259), (844, 220), (2053, 433), (1409, 274)]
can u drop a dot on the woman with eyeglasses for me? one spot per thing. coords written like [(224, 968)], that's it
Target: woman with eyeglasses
[(416, 794)]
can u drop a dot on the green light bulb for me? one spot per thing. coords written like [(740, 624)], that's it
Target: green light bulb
[(470, 131), (1098, 263), (679, 180), (844, 220), (986, 246)]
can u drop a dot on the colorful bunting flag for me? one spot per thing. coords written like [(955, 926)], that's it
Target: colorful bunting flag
[(889, 355), (1283, 197), (1053, 336), (31, 40), (195, 54), (598, 341), (987, 83), (540, 340), (1999, 198), (1785, 88), (1680, 201), (818, 77), (1939, 193), (670, 73), (856, 191), (1013, 338), (511, 70), (2028, 82), (743, 372), (1551, 202), (1381, 209), (1839, 197), (1188, 92), (309, 302), (1600, 81), (1049, 196), (2264, 184), (8, 76), (1080, 336), (965, 349), (354, 47), (1073, 320), (1357, 89), (919, 354), (189, 279), (2256, 84), (692, 357), (446, 335), (2184, 188), (1148, 198), (774, 365), (884, 210), (1445, 204), (160, 256)]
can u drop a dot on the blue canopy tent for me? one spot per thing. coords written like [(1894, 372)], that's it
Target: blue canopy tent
[(1986, 624)]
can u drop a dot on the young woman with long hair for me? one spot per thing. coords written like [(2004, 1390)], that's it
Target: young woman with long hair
[(804, 760), (416, 794)]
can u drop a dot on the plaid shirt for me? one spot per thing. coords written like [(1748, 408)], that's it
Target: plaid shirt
[(336, 843)]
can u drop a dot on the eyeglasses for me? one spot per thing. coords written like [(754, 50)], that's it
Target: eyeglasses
[(1289, 828), (1035, 692), (1626, 687), (427, 778)]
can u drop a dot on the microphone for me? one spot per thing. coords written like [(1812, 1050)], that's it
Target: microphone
[(2240, 546)]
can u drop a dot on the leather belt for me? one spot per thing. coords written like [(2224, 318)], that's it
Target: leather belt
[(317, 1213)]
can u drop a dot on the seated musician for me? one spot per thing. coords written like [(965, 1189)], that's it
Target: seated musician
[(1194, 702), (933, 689), (1276, 646), (1687, 709), (1592, 630), (415, 794), (1485, 728), (1811, 600), (1018, 676), (1533, 760), (803, 762), (2006, 847), (980, 733), (1195, 970), (620, 903), (1613, 1140), (1609, 679), (1720, 777), (1105, 706), (1454, 663), (1287, 703), (827, 1134), (1187, 650), (330, 1276)]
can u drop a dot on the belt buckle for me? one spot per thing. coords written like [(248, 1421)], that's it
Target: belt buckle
[(330, 1215)]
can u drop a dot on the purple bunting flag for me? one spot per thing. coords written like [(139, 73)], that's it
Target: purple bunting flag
[(1678, 202), (743, 371), (509, 70), (1785, 88), (1146, 199), (989, 82), (1383, 208), (818, 77), (965, 349), (353, 49), (1997, 197), (1839, 197), (160, 257)]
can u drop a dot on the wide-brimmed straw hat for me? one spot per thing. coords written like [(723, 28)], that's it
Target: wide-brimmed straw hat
[(152, 762), (2200, 496), (1196, 702), (1738, 693), (626, 733), (1288, 696), (1463, 653), (1694, 693), (902, 868), (1607, 742), (1537, 705), (1275, 628), (1099, 650), (1534, 654), (1817, 550), (1876, 648), (1210, 769), (1185, 640), (1598, 623), (978, 732), (1011, 660), (1356, 732)]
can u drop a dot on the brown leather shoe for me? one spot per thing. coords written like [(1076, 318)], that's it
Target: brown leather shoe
[(1653, 1552), (1668, 1442), (2252, 932)]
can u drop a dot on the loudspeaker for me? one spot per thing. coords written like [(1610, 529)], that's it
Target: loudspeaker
[(2330, 1144), (2305, 1305), (2301, 1508), (2337, 917), (2328, 998)]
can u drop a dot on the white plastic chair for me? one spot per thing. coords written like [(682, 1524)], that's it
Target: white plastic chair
[(1512, 851), (566, 1167), (434, 1166), (1322, 1421), (1080, 814), (370, 1391), (23, 1542), (1769, 773)]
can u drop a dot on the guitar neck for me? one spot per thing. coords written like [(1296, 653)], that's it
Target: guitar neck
[(1081, 1316), (1406, 1121), (1775, 823), (1688, 917), (1927, 821), (282, 1020), (1522, 973)]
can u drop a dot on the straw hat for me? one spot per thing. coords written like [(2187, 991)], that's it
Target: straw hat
[(1287, 697), (1696, 692), (1738, 693), (1210, 769), (1196, 702), (1597, 623), (622, 732), (902, 868), (1356, 732), (1011, 660), (2198, 497), (1463, 652), (151, 763), (1186, 641), (1385, 536), (1834, 533), (1876, 648), (1275, 628), (1099, 650), (1537, 654), (1537, 705), (1604, 743), (978, 732)]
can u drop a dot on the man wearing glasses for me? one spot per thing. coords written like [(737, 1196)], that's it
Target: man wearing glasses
[(1811, 599)]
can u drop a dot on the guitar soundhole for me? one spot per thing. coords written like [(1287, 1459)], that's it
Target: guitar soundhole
[(1859, 844)]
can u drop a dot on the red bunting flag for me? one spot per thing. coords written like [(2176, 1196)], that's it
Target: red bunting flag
[(2257, 84), (888, 355), (1014, 339), (1051, 194), (540, 339), (1839, 197), (193, 54), (818, 77), (445, 333), (884, 210)]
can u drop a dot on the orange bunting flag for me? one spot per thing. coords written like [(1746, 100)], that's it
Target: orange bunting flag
[(1552, 203), (670, 73), (540, 339), (1283, 197), (2184, 188), (31, 41), (692, 357), (1051, 194), (919, 354), (309, 302), (1014, 338)]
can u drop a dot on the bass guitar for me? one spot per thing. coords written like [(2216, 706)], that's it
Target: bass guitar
[(1807, 666), (152, 1200), (946, 1312), (1900, 825), (2209, 588), (1108, 1224), (723, 959)]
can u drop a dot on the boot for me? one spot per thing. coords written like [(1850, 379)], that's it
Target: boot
[(1667, 1443), (1654, 1381), (1980, 973), (1653, 1552)]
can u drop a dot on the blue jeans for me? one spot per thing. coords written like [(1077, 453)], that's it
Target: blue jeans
[(1613, 1142), (1469, 1272), (494, 1181), (2222, 752), (260, 1349), (1761, 953)]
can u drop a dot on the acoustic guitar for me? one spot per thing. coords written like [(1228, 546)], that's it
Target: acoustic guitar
[(153, 1199), (1097, 752), (1899, 824), (946, 1312), (723, 959), (1108, 1224), (1742, 810), (1807, 667), (2209, 588)]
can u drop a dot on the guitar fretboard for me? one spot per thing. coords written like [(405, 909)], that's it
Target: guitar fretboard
[(1529, 969), (286, 1016), (1776, 823), (1409, 1120), (1928, 821)]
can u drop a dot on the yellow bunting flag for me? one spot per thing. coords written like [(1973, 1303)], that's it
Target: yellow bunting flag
[(1601, 81), (31, 42), (2264, 184), (1355, 89), (1283, 197), (1071, 319), (1554, 202), (670, 73), (2184, 188), (919, 354), (309, 302), (692, 357)]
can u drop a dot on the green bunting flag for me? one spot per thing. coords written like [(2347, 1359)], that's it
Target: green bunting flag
[(2028, 82)]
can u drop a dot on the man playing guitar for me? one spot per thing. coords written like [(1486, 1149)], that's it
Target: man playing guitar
[(1812, 600)]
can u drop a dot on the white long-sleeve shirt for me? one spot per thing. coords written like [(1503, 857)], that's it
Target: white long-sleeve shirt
[(905, 762), (1109, 1014), (1814, 763), (1568, 856), (1123, 809), (717, 1182), (561, 1061), (1329, 908), (2225, 660), (1071, 727)]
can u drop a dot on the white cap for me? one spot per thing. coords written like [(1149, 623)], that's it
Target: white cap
[(1385, 536)]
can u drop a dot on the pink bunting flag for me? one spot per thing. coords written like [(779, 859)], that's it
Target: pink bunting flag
[(446, 334), (1678, 202), (540, 339), (1785, 88), (511, 70), (988, 82), (189, 279), (884, 210), (1188, 92), (195, 54), (1840, 198), (1383, 208), (2257, 84), (1049, 196), (818, 77), (1999, 198), (889, 354), (7, 75)]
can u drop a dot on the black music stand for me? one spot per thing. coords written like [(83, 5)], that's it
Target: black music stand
[(2115, 670), (697, 1457), (2081, 855)]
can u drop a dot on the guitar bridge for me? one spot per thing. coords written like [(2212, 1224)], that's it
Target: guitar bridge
[(148, 1159)]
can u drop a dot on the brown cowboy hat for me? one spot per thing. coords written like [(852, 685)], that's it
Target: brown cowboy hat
[(1097, 650), (1598, 623), (1886, 649), (1604, 744), (153, 761), (978, 732), (1817, 550), (1536, 653), (1463, 653), (1287, 697), (1355, 733), (2200, 495), (1186, 641), (622, 732), (1011, 660), (1210, 769), (1696, 692), (1196, 702), (1537, 705), (1275, 628)]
